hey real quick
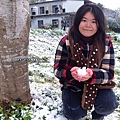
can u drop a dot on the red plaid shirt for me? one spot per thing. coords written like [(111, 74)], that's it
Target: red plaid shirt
[(63, 64)]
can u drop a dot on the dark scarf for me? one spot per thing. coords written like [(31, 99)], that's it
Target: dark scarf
[(79, 52), (83, 41)]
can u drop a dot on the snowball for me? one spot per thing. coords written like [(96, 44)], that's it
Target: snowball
[(82, 71)]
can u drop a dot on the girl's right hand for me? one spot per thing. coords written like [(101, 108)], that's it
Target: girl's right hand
[(75, 75)]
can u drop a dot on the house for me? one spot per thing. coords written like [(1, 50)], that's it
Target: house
[(48, 14)]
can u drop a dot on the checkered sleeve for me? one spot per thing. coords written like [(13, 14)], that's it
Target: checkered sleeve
[(61, 68), (105, 73)]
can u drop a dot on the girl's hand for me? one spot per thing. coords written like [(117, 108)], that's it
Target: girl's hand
[(81, 74), (74, 73)]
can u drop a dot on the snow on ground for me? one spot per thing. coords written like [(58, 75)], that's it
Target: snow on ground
[(45, 88)]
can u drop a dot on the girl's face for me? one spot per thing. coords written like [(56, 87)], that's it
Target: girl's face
[(88, 25)]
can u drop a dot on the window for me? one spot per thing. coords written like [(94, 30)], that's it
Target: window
[(31, 9), (41, 10), (40, 24), (55, 23), (33, 12), (47, 12), (63, 10), (54, 9)]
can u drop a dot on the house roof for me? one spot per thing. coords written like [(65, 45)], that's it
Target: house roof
[(47, 2)]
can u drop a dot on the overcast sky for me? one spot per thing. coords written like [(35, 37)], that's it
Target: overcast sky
[(112, 4)]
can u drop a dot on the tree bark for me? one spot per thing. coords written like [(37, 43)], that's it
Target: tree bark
[(14, 41)]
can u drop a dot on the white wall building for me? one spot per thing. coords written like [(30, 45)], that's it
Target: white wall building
[(50, 13)]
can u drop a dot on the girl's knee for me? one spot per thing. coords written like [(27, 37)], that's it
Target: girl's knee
[(106, 108), (106, 102)]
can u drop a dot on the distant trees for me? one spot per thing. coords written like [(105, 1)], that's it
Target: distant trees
[(111, 23), (118, 16), (112, 17), (100, 5)]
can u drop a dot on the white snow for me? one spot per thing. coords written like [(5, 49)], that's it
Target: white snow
[(82, 71), (45, 89)]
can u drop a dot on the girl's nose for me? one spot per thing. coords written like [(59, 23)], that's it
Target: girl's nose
[(88, 24)]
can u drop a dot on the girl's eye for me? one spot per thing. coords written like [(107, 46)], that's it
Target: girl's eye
[(93, 21), (83, 20)]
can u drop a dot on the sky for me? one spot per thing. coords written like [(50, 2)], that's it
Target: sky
[(111, 4)]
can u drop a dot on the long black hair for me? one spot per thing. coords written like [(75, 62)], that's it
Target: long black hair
[(100, 36)]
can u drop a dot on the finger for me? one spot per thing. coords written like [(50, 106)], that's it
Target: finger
[(78, 79), (74, 69), (84, 78), (89, 71), (73, 72)]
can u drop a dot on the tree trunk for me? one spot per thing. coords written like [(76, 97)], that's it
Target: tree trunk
[(14, 40)]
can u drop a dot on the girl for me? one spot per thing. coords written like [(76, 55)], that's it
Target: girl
[(86, 46)]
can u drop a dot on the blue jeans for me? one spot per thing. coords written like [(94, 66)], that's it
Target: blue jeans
[(105, 104)]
